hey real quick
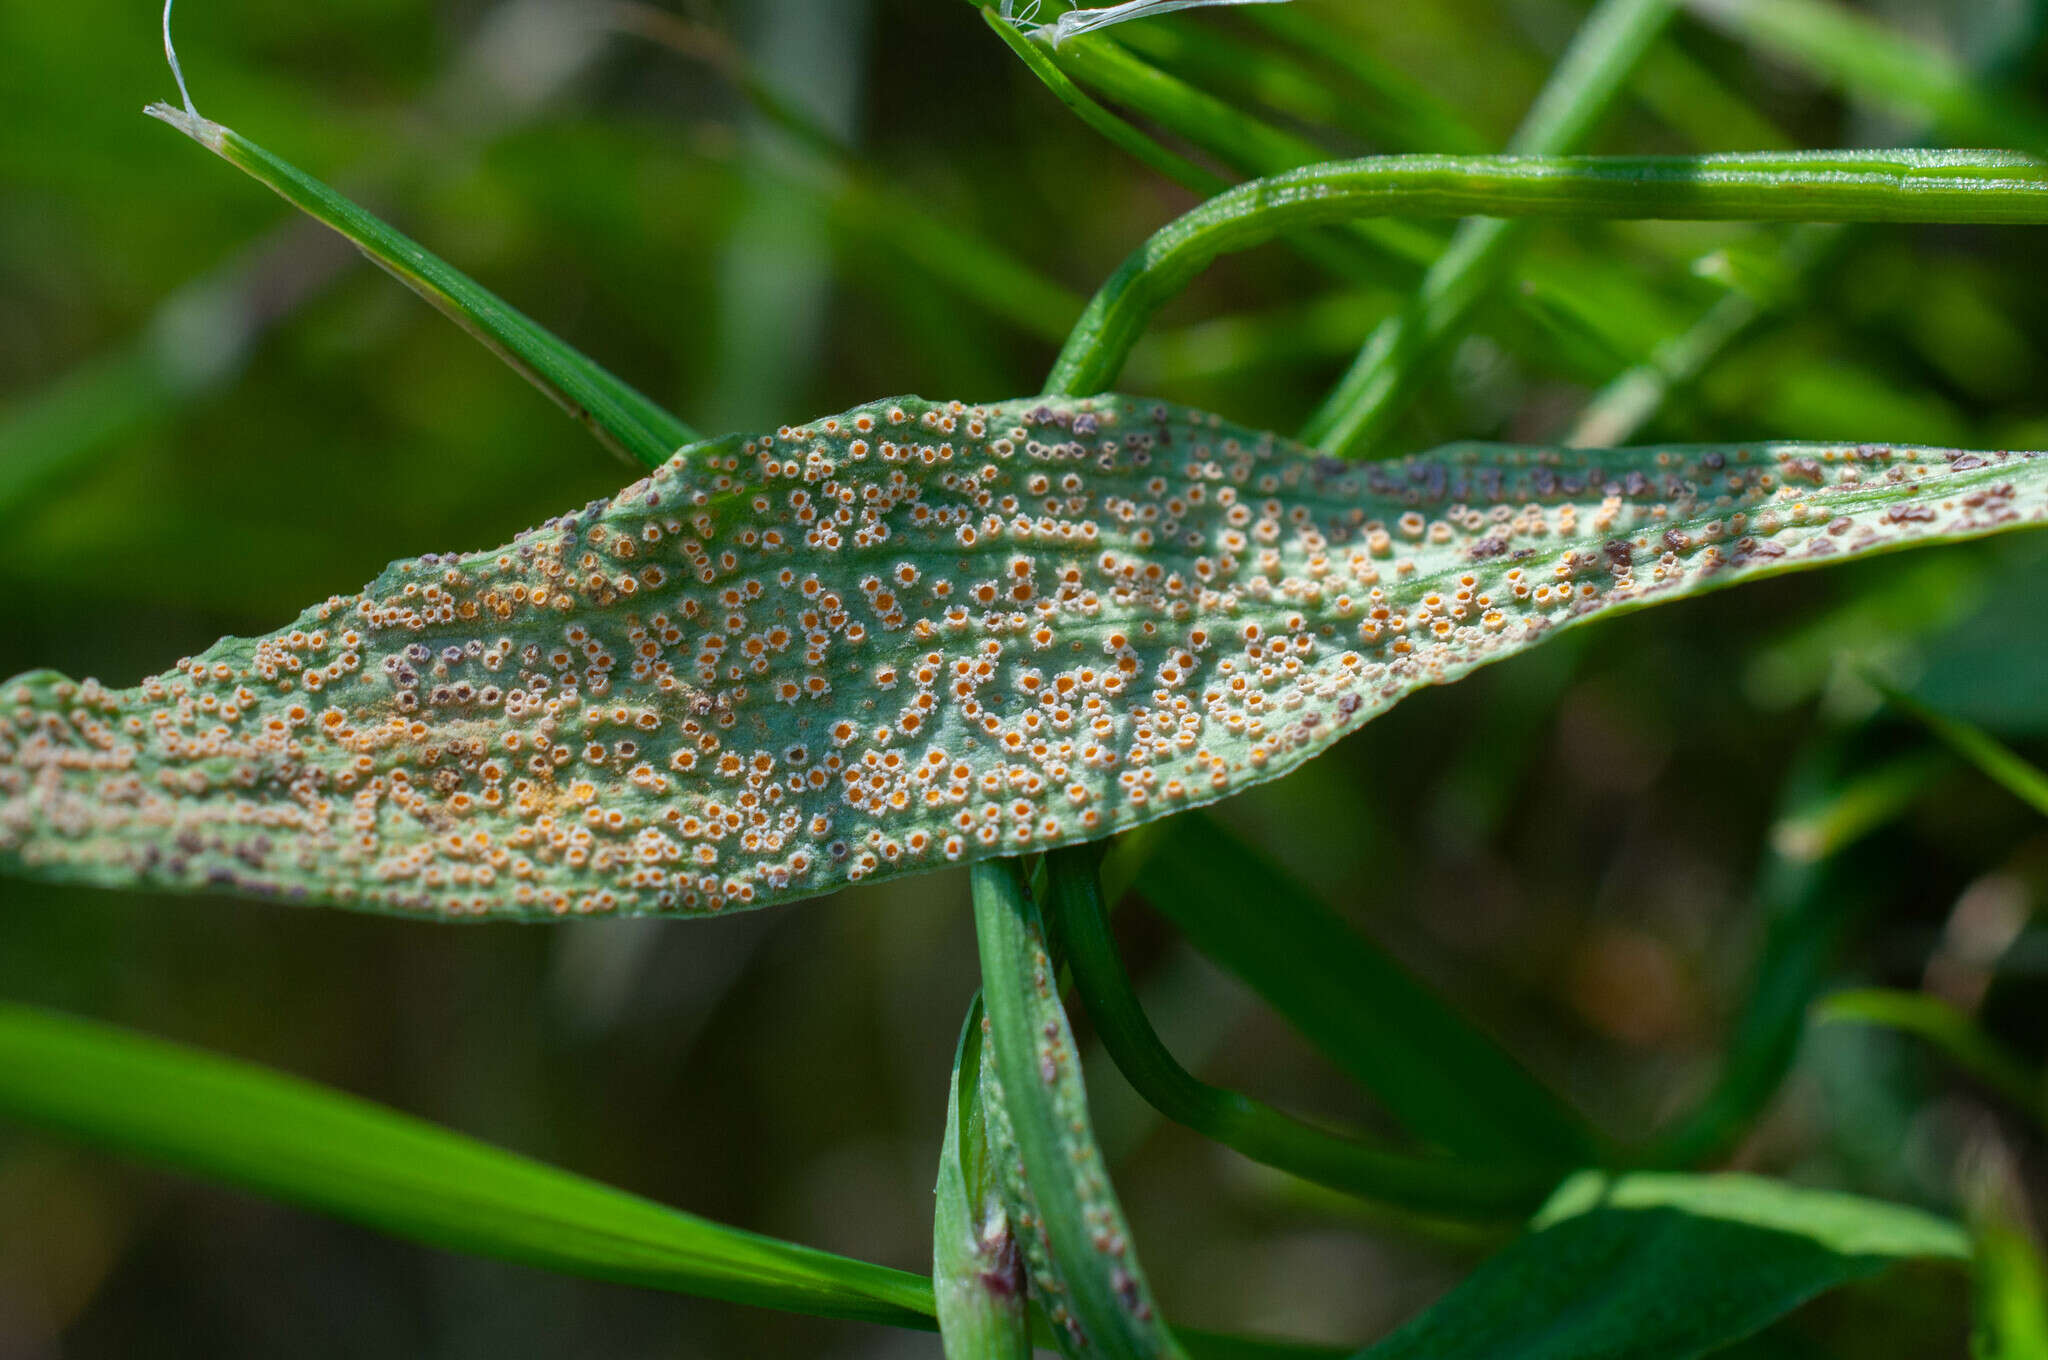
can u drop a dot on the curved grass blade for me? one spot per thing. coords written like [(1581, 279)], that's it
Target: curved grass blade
[(1435, 1185), (1077, 1248), (1960, 1039), (1836, 186), (239, 1124), (911, 634), (1444, 1080), (1665, 1267), (977, 1276), (2011, 1289), (621, 418), (1405, 347)]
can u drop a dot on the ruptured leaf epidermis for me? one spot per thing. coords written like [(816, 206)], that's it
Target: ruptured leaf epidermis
[(915, 633)]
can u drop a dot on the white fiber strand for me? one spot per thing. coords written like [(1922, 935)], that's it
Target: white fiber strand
[(1086, 20), (171, 55)]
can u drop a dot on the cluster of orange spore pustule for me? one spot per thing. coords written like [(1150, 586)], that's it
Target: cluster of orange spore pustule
[(910, 634)]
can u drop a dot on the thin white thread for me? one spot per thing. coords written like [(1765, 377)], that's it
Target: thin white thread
[(171, 55), (1086, 20)]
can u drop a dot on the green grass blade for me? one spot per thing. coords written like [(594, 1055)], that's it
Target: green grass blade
[(1866, 186), (1958, 1038), (621, 418), (287, 1139), (1993, 758), (1866, 58), (1433, 1185), (1084, 1269), (1428, 123), (1663, 1267), (1447, 1082), (977, 1276), (1406, 347), (1810, 900), (1115, 130), (962, 657), (2012, 1292)]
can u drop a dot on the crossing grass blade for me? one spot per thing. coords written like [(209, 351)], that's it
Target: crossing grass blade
[(1993, 758), (1661, 1267), (1406, 347), (912, 634), (621, 418), (241, 1125), (1443, 1079)]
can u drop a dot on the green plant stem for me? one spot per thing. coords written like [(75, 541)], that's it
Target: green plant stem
[(621, 418), (1403, 349), (1435, 1185), (977, 1274), (1870, 186), (238, 1124), (1083, 1266)]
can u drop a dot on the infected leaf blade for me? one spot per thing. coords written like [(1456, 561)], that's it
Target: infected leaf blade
[(914, 633)]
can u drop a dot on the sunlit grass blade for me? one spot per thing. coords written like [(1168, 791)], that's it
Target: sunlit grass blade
[(1664, 1267), (1869, 59), (1809, 899), (1433, 1185), (1079, 1251), (1953, 1033), (621, 418), (2012, 1289), (1993, 758), (1405, 348), (548, 729), (977, 1274), (1442, 1078), (275, 1135), (1865, 186)]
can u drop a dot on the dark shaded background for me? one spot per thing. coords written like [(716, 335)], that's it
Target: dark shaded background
[(1565, 845)]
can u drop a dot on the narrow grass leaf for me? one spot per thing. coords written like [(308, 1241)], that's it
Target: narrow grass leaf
[(262, 1131), (1663, 1267), (1434, 1185), (1082, 1262), (1447, 1082), (977, 1274), (1993, 758), (1406, 347), (1953, 1033), (1117, 131), (621, 418), (912, 634)]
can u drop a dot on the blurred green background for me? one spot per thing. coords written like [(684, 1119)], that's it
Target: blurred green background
[(210, 416)]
